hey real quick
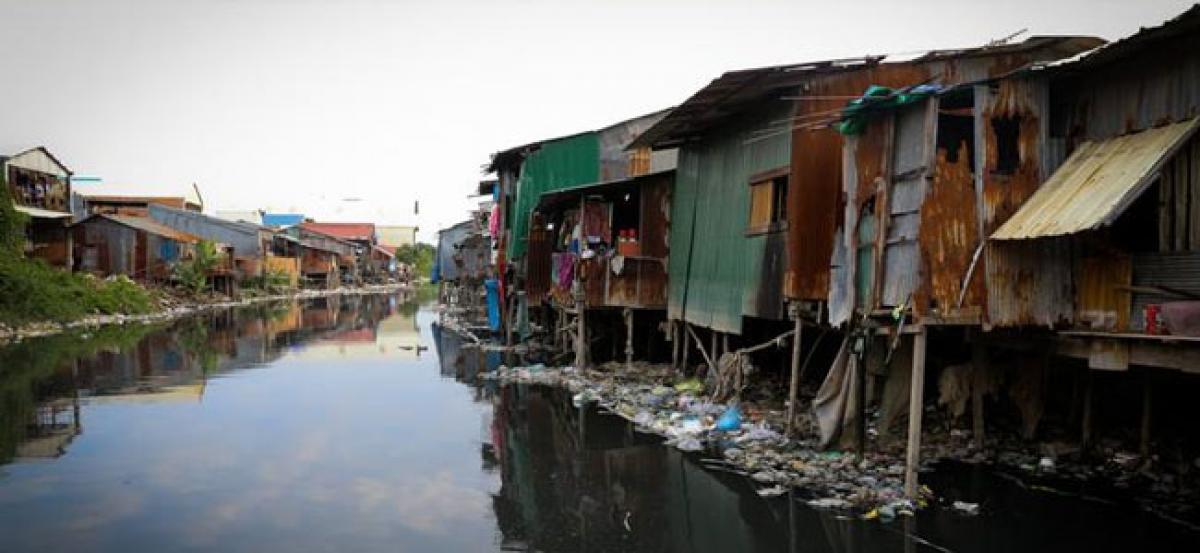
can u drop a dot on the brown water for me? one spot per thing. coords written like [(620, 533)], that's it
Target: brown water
[(322, 427)]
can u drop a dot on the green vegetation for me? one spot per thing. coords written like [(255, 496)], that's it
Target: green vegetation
[(30, 290), (193, 273), (275, 282), (418, 256)]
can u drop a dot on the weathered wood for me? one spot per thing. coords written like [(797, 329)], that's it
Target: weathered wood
[(794, 386), (628, 313), (916, 401), (979, 370), (1147, 415), (712, 359), (1085, 438)]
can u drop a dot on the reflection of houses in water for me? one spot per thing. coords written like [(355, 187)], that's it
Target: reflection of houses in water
[(54, 426), (361, 326), (613, 488), (40, 394)]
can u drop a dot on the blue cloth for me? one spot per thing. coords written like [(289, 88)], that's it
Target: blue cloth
[(493, 303)]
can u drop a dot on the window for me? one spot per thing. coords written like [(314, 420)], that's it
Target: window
[(1008, 150), (768, 202)]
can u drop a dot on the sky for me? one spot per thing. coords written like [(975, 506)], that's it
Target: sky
[(359, 109)]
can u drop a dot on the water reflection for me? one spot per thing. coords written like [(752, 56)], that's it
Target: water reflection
[(342, 425)]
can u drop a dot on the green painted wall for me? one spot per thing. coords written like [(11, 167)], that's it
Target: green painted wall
[(709, 212), (558, 164)]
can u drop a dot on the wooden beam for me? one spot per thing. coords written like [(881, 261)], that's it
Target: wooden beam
[(794, 386), (916, 400), (979, 370)]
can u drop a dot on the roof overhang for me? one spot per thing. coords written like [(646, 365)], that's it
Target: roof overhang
[(1097, 183), (553, 198), (39, 213)]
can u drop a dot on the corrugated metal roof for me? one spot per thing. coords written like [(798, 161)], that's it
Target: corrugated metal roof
[(39, 213), (345, 231), (149, 225), (1096, 184), (736, 91)]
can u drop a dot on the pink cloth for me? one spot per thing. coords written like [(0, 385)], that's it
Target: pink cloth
[(494, 221)]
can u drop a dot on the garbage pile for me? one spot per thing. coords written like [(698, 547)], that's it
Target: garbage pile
[(739, 438)]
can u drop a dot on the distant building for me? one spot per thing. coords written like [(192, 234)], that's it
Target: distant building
[(280, 220), (134, 206), (137, 247), (397, 235), (252, 216)]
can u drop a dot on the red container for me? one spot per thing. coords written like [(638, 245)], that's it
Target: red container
[(1153, 325)]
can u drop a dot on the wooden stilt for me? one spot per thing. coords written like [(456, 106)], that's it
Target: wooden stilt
[(979, 368), (628, 338), (1147, 415), (916, 401), (687, 346), (674, 332), (794, 385), (581, 341), (724, 343), (1085, 437), (712, 361)]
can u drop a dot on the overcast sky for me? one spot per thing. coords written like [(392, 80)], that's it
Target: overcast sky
[(300, 105)]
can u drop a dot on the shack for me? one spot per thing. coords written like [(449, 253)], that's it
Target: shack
[(526, 174), (250, 243), (40, 187), (137, 247), (326, 259)]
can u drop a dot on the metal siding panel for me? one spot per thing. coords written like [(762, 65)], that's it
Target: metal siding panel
[(559, 164), (1177, 271), (910, 141), (1029, 282), (725, 280)]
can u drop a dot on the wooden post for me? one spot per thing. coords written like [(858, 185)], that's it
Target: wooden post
[(979, 369), (674, 345), (1147, 415), (581, 341), (712, 360), (1085, 437), (916, 401), (628, 338), (687, 345), (794, 386)]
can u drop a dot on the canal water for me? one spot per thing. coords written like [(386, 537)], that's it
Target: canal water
[(356, 424)]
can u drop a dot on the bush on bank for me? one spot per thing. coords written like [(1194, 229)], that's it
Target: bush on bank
[(31, 291)]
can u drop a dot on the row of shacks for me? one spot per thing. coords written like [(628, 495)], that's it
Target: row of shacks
[(147, 237), (1018, 204)]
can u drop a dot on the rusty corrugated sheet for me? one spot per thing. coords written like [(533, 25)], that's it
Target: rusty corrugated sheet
[(1102, 297), (538, 266), (1096, 183), (950, 236), (1029, 282)]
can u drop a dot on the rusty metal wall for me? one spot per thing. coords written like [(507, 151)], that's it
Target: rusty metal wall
[(1160, 86), (655, 232), (538, 267), (1029, 282)]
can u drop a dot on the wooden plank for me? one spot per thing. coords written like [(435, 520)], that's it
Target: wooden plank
[(916, 401)]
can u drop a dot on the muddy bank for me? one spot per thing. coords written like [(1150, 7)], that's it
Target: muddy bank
[(174, 307)]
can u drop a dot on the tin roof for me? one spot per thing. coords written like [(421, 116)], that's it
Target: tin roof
[(1097, 183), (345, 231), (1146, 37), (39, 213), (735, 91), (146, 224)]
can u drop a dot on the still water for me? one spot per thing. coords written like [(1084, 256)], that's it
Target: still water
[(355, 424)]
